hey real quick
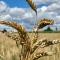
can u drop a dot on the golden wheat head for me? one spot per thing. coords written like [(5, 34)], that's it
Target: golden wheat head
[(44, 22)]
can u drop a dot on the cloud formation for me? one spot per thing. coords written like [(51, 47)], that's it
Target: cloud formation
[(27, 17)]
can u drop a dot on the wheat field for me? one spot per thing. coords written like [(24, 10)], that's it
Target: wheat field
[(47, 35), (9, 51), (54, 48)]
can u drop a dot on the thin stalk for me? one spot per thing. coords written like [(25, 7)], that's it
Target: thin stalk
[(36, 32)]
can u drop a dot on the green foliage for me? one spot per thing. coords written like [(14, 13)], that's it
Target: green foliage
[(48, 29)]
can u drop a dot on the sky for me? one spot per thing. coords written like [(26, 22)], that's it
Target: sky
[(19, 11), (16, 3)]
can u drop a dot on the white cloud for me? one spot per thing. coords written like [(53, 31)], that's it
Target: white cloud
[(53, 7), (17, 12), (39, 2), (51, 11), (3, 6), (5, 17), (27, 15), (43, 8)]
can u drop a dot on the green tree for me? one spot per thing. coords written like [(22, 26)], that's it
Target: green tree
[(48, 29)]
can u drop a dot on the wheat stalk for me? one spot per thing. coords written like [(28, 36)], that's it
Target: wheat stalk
[(25, 41), (28, 50)]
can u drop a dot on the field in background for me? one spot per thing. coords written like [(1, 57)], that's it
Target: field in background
[(54, 48), (9, 51), (47, 35)]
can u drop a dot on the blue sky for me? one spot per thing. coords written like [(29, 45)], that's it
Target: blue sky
[(19, 11), (16, 3)]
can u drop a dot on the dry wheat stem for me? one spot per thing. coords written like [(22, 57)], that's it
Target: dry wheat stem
[(25, 41), (41, 54), (43, 43), (27, 51)]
